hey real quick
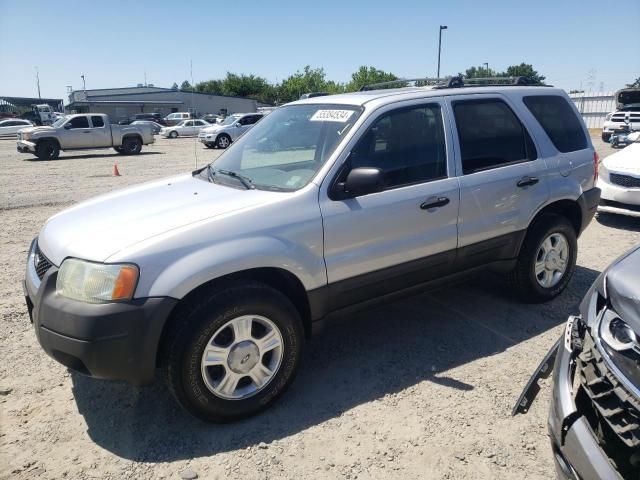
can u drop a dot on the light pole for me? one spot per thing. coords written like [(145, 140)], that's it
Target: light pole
[(486, 67), (442, 27), (38, 81)]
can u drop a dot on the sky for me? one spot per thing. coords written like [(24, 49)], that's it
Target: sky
[(113, 43)]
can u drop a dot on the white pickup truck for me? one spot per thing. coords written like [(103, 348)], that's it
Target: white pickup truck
[(83, 132)]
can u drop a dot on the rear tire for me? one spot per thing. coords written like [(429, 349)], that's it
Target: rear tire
[(606, 137), (47, 150), (542, 271), (200, 382), (131, 146)]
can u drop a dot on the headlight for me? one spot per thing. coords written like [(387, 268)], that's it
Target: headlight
[(617, 334), (25, 136), (96, 282), (607, 117)]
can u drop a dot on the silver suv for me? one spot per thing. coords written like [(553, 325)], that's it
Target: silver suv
[(223, 134), (220, 275)]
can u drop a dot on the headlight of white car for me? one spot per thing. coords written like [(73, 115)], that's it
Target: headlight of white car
[(96, 282), (25, 136)]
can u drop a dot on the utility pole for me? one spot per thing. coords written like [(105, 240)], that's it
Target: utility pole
[(442, 27), (84, 85), (486, 67), (38, 81)]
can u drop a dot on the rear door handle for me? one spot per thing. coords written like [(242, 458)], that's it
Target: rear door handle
[(434, 202), (527, 181)]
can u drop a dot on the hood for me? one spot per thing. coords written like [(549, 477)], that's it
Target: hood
[(624, 161), (627, 96), (212, 129), (623, 288), (33, 130), (98, 228)]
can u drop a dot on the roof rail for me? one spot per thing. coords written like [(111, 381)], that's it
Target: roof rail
[(457, 81)]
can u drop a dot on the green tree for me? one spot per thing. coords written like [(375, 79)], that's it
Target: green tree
[(305, 81), (210, 86), (523, 70), (174, 86), (479, 72), (366, 76), (185, 85), (635, 84)]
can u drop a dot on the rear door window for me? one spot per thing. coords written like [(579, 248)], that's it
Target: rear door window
[(97, 121), (559, 121), (79, 122), (490, 135)]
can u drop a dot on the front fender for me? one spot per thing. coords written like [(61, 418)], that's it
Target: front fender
[(217, 260)]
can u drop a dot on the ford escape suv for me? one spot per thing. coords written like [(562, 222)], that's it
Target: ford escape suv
[(218, 276)]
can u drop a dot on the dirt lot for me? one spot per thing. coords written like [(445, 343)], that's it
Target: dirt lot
[(421, 388)]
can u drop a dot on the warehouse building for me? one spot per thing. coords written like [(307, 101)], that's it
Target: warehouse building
[(123, 103)]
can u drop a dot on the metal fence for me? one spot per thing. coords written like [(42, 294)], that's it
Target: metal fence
[(594, 106)]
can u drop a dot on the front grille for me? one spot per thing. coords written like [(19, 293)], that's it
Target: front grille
[(41, 263), (624, 180), (621, 118), (616, 406)]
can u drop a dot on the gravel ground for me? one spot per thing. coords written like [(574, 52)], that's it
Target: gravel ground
[(420, 388)]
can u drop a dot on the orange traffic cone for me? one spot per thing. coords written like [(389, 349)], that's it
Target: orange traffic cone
[(116, 172)]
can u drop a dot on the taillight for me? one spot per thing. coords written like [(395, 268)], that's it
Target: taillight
[(596, 166)]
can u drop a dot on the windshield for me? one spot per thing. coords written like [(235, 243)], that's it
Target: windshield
[(231, 119), (285, 149), (59, 122)]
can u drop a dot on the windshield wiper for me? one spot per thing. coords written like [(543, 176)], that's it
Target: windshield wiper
[(245, 181)]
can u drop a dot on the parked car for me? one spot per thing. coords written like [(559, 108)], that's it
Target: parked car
[(627, 114), (220, 275), (594, 420), (212, 118), (9, 128), (176, 118), (619, 181), (155, 127), (82, 132), (229, 130), (153, 117), (187, 128)]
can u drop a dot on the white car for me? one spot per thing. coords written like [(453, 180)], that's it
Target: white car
[(619, 181), (187, 128), (11, 126), (627, 113)]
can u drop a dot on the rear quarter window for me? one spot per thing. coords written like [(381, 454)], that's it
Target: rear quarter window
[(559, 121)]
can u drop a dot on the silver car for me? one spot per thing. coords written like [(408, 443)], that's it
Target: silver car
[(223, 134), (218, 276)]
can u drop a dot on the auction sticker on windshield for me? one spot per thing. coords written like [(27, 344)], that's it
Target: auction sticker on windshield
[(331, 116)]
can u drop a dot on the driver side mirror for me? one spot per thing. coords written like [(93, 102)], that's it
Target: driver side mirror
[(360, 181), (67, 126), (238, 124)]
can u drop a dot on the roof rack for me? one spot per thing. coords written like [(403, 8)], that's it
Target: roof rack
[(457, 81)]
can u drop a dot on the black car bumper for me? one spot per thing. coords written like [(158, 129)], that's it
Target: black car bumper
[(577, 453), (588, 202), (116, 341)]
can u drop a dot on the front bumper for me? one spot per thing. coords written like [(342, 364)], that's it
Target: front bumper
[(24, 146), (577, 453), (618, 199), (117, 341)]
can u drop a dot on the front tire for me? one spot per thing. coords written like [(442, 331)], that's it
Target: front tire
[(232, 353), (547, 259), (606, 137), (47, 150), (223, 141), (173, 134)]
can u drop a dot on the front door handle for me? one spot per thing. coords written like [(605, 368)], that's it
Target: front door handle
[(527, 181), (434, 202)]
